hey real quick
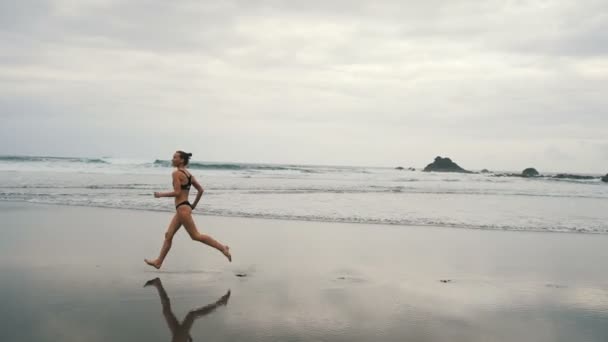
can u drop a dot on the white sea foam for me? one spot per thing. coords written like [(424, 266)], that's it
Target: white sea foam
[(319, 193)]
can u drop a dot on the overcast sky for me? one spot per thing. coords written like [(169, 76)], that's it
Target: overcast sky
[(492, 84)]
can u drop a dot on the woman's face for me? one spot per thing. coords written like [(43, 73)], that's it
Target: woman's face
[(177, 160)]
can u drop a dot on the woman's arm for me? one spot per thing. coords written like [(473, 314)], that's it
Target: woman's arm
[(200, 190), (177, 188)]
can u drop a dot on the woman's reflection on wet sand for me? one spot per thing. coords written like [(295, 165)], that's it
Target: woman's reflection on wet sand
[(181, 331)]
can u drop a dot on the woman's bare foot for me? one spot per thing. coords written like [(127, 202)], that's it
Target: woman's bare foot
[(226, 253), (153, 263)]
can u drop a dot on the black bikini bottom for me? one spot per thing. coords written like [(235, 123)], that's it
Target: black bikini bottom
[(184, 203)]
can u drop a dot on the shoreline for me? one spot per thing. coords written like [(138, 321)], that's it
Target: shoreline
[(381, 224)]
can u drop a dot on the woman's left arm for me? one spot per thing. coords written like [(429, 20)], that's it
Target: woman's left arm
[(200, 190), (176, 188)]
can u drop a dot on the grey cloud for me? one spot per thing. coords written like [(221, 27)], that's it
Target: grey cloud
[(464, 72), (23, 16)]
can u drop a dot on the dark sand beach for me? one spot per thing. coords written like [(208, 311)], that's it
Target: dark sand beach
[(77, 274)]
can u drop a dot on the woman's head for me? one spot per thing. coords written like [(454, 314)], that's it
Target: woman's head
[(181, 158)]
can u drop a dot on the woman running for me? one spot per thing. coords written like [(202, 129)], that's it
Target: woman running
[(182, 181)]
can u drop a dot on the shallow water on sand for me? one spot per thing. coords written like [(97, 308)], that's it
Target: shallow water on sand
[(70, 274)]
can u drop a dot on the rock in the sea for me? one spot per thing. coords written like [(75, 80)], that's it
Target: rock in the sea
[(411, 169), (530, 172), (569, 176), (605, 178), (399, 168), (485, 171), (444, 165)]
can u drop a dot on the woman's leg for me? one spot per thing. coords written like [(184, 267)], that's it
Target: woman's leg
[(172, 322), (185, 217), (173, 228), (200, 312)]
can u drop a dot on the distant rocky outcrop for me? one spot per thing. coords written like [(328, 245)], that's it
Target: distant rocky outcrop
[(569, 176), (411, 169), (399, 168), (605, 178), (485, 171), (444, 165), (530, 172), (402, 168)]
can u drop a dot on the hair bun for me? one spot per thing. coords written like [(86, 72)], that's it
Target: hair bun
[(189, 154)]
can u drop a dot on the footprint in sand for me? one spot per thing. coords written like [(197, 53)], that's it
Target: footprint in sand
[(351, 279), (245, 272)]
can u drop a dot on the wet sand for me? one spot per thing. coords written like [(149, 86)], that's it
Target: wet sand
[(77, 273)]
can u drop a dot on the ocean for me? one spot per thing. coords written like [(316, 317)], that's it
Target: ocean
[(318, 193)]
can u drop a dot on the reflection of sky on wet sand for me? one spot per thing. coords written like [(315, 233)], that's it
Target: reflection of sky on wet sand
[(323, 282), (56, 304)]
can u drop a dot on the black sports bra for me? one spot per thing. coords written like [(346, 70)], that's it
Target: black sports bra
[(187, 185)]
